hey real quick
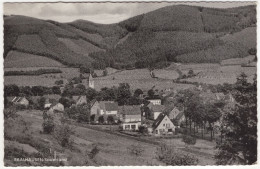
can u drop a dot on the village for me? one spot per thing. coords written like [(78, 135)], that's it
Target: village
[(154, 114)]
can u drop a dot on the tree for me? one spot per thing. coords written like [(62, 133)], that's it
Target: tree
[(80, 113), (37, 90), (66, 102), (101, 119), (63, 134), (10, 112), (150, 93), (56, 90), (110, 120), (48, 123), (41, 102), (11, 90), (190, 73), (59, 82), (138, 92), (239, 126), (123, 94), (91, 93)]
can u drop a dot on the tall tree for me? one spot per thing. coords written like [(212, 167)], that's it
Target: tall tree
[(239, 126), (123, 94)]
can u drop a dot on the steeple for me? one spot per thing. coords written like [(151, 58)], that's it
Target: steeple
[(91, 81)]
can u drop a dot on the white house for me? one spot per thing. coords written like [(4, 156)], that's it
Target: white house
[(163, 125), (155, 101), (57, 107), (20, 101), (130, 117)]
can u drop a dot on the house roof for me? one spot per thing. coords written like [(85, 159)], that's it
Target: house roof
[(76, 98), (158, 120), (108, 105), (158, 108), (220, 95), (130, 110), (179, 116), (111, 106)]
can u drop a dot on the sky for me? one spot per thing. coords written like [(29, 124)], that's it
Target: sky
[(104, 13)]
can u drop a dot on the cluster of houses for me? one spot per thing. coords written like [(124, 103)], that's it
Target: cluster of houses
[(131, 117), (152, 115)]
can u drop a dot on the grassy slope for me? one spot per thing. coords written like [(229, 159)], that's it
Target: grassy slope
[(19, 59)]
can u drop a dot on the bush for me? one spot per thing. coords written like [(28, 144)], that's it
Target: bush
[(63, 134), (101, 119), (136, 150), (110, 119), (143, 129), (189, 140), (48, 123), (171, 156)]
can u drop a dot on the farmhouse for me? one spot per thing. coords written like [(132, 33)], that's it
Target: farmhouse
[(155, 101), (156, 111), (163, 125), (56, 107), (105, 109), (79, 100), (130, 117), (20, 101), (174, 113)]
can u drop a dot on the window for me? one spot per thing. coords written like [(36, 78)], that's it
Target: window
[(127, 127), (168, 125), (163, 124), (133, 126), (156, 131)]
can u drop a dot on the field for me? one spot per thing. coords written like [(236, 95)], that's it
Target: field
[(222, 74), (20, 59), (138, 78), (42, 80)]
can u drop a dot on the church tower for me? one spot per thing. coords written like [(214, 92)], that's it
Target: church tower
[(90, 81)]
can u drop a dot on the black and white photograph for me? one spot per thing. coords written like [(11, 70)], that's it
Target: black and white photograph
[(130, 83)]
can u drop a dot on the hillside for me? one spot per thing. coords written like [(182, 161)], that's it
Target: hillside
[(171, 34)]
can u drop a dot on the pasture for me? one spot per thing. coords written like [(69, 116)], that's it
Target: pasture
[(42, 80), (15, 59), (137, 78)]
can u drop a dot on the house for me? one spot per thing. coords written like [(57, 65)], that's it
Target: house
[(220, 96), (104, 108), (155, 101), (163, 125), (156, 111), (179, 119), (91, 81), (173, 113), (20, 101), (56, 107), (79, 100), (130, 117)]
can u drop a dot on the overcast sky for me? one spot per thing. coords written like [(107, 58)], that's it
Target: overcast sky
[(98, 12)]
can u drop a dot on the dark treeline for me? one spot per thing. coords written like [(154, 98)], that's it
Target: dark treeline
[(32, 72)]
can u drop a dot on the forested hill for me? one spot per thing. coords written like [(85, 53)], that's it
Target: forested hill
[(174, 33)]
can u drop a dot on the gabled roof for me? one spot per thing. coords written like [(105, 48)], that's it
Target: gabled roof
[(16, 99), (220, 96), (108, 105), (158, 120), (130, 110), (76, 98), (179, 116), (111, 106), (158, 108)]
